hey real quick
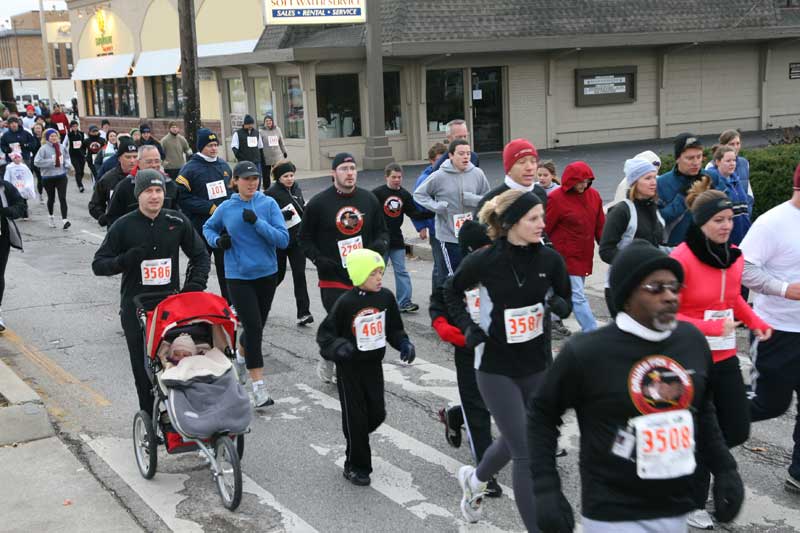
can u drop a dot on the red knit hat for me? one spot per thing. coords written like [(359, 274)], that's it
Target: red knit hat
[(797, 178), (516, 150)]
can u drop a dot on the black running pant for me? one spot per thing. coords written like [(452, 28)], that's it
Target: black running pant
[(297, 260), (253, 300), (79, 163), (360, 387), (5, 249), (53, 186)]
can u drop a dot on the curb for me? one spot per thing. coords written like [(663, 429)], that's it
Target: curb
[(25, 418)]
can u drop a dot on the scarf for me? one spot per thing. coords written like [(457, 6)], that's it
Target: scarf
[(708, 252), (626, 323), (57, 148)]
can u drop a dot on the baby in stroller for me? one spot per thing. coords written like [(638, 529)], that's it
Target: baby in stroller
[(183, 346)]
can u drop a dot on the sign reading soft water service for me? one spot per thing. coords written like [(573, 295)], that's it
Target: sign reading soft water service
[(316, 11)]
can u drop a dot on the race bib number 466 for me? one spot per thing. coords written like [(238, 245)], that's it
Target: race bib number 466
[(157, 271), (348, 245), (664, 445), (523, 323)]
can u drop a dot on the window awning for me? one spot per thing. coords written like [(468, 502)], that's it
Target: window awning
[(103, 67), (226, 48), (158, 63)]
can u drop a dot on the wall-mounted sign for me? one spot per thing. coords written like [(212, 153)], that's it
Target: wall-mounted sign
[(59, 32), (103, 28), (794, 71), (316, 11), (603, 86)]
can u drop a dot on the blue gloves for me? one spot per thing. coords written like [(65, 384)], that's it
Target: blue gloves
[(407, 351)]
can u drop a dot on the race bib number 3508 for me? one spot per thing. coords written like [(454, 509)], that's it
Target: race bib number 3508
[(664, 445)]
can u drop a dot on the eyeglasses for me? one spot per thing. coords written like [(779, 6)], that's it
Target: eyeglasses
[(658, 287)]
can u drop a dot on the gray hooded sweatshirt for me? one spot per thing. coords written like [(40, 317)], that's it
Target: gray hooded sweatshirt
[(452, 194)]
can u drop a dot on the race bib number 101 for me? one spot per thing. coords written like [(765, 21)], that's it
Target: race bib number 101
[(216, 189)]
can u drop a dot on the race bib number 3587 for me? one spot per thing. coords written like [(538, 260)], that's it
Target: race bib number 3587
[(523, 323)]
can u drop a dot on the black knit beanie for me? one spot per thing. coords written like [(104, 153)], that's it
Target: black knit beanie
[(634, 263), (472, 236)]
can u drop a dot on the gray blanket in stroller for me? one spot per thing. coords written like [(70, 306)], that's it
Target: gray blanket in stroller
[(202, 407)]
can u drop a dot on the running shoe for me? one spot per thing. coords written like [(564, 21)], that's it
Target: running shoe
[(700, 519), (2, 325), (452, 420), (356, 478), (305, 320), (410, 307), (52, 222), (80, 189), (472, 497), (261, 397), (66, 223), (560, 331), (493, 488), (562, 452), (325, 372), (792, 483)]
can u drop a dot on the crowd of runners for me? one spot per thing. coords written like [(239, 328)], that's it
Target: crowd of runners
[(658, 392)]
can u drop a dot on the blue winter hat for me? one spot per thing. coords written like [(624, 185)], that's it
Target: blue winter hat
[(205, 136), (49, 131), (636, 168), (248, 120)]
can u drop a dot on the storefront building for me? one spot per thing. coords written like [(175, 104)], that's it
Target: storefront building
[(557, 74)]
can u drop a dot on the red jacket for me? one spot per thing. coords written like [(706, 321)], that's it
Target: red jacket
[(574, 222), (60, 118), (709, 288)]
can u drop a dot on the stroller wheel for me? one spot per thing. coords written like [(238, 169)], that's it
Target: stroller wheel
[(145, 444), (240, 446), (228, 473)]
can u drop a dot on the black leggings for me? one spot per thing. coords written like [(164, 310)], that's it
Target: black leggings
[(5, 249), (79, 163), (38, 174), (252, 299), (297, 260), (733, 415), (51, 185)]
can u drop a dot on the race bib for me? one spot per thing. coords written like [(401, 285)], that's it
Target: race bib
[(295, 220), (474, 304), (371, 331), (721, 343), (523, 323), (664, 445), (216, 189), (348, 245), (252, 142), (157, 271), (76, 145), (60, 126), (14, 147), (272, 140), (458, 221)]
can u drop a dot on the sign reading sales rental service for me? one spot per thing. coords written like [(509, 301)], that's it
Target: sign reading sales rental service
[(316, 11)]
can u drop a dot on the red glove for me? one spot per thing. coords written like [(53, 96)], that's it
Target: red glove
[(449, 333)]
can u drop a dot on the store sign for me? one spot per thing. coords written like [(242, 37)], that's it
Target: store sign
[(794, 71), (59, 32), (316, 11), (603, 86), (103, 41)]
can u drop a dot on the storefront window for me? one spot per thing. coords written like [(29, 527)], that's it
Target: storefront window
[(445, 96), (294, 112), (237, 95), (167, 96), (392, 103), (112, 98), (338, 109), (263, 90)]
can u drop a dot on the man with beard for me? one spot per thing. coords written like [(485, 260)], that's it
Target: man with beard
[(641, 391)]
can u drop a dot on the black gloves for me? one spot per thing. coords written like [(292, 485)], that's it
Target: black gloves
[(407, 351), (553, 512), (192, 287), (133, 257), (474, 336), (326, 264), (728, 495), (285, 155), (287, 215), (249, 216), (345, 351), (224, 242), (558, 305), (102, 220)]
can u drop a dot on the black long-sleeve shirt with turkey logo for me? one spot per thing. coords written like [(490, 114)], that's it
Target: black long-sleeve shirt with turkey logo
[(396, 203), (334, 224)]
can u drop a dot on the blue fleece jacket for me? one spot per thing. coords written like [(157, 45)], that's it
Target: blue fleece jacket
[(429, 223), (252, 255), (672, 188), (736, 189)]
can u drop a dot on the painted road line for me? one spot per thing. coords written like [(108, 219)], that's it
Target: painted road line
[(397, 438), (165, 491), (435, 379), (54, 370), (95, 235)]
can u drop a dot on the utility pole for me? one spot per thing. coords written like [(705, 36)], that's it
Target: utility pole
[(46, 51), (189, 78), (377, 151)]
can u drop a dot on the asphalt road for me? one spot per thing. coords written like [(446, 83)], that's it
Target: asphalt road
[(65, 339)]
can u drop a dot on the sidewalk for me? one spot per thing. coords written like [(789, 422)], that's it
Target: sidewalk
[(46, 487)]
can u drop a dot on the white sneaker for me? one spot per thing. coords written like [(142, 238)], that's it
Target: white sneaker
[(261, 397), (2, 325), (700, 519), (52, 221), (471, 498), (326, 371)]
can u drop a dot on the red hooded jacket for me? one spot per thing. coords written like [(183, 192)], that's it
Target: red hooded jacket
[(574, 221), (60, 123)]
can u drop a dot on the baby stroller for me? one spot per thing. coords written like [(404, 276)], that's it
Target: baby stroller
[(199, 403)]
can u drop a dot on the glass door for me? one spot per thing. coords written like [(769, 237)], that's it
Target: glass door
[(487, 109)]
